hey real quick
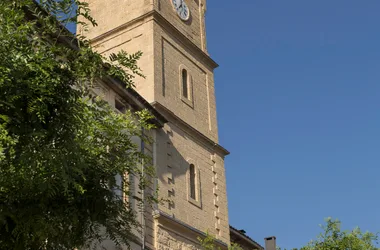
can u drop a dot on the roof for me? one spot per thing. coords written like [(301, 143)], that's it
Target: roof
[(136, 101), (241, 234)]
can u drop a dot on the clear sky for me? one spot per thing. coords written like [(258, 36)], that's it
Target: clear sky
[(298, 94)]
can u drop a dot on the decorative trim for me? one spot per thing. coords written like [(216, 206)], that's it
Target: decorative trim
[(202, 21), (216, 194)]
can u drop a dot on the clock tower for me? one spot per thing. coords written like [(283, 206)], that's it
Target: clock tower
[(179, 84)]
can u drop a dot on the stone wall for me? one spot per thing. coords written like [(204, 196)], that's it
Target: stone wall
[(192, 28), (112, 14), (176, 150), (167, 46), (168, 240), (170, 56)]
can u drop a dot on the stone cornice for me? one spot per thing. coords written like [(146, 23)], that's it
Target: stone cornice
[(158, 214), (164, 23), (171, 117), (122, 27), (159, 19)]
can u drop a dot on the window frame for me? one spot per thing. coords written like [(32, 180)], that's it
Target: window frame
[(197, 185), (189, 100)]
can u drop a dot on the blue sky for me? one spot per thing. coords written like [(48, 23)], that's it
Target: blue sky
[(298, 94)]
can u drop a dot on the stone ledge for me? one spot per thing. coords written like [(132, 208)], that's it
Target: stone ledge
[(166, 218), (158, 18)]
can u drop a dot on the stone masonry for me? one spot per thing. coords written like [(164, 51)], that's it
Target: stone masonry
[(191, 135)]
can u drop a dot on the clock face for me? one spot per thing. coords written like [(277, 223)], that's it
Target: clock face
[(182, 9)]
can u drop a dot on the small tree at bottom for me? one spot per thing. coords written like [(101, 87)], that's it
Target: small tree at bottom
[(209, 243)]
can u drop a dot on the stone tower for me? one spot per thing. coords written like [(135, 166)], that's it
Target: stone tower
[(179, 83)]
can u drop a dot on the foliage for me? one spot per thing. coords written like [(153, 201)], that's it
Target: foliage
[(333, 238), (208, 243), (61, 147), (235, 247)]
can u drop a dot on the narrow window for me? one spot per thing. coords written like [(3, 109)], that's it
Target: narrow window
[(185, 84), (192, 182)]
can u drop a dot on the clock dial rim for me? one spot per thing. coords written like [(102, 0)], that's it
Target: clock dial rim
[(178, 12)]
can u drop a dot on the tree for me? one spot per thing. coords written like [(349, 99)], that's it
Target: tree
[(60, 146), (333, 238)]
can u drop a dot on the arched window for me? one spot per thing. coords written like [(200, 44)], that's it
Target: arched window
[(192, 182), (185, 84)]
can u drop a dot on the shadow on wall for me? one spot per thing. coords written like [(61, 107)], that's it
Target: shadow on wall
[(176, 180)]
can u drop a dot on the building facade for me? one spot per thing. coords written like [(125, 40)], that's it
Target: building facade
[(179, 85)]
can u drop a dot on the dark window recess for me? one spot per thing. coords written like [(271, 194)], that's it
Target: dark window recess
[(192, 182), (185, 84), (120, 106)]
